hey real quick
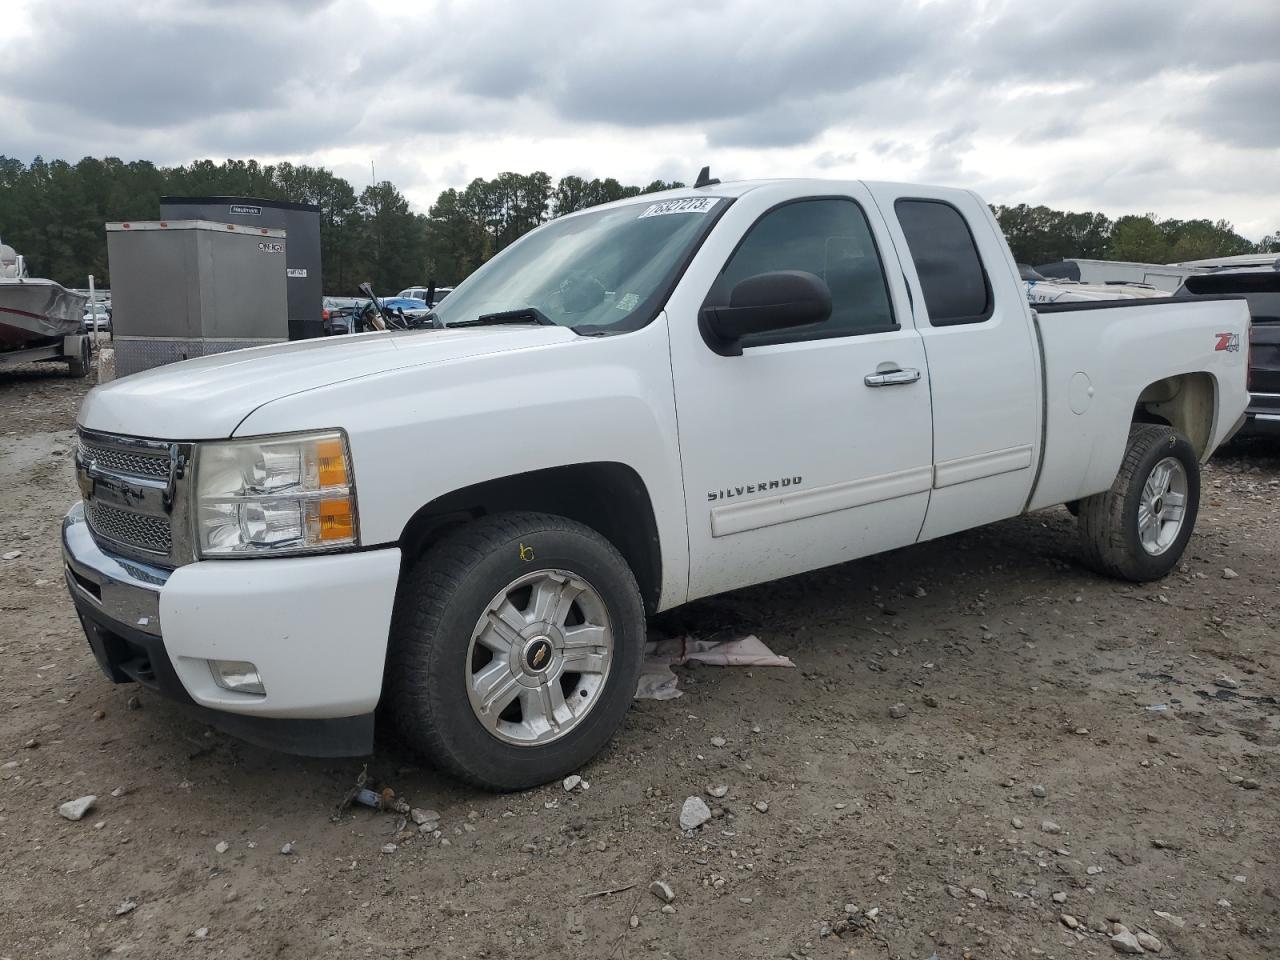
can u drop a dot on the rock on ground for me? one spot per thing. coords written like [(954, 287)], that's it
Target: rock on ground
[(1149, 943), (662, 890), (694, 813), (1125, 942), (75, 809)]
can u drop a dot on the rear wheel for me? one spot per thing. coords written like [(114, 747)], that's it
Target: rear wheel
[(516, 648), (1139, 528), (78, 366)]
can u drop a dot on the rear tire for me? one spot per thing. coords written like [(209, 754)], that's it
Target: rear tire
[(1139, 528), (516, 646)]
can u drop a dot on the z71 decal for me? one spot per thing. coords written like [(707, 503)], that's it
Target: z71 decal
[(1228, 341)]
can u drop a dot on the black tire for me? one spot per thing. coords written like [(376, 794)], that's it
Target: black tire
[(78, 366), (438, 604), (1108, 521)]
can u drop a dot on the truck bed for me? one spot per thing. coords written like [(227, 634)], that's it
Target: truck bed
[(1100, 357)]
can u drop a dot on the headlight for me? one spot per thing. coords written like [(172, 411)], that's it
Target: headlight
[(275, 495)]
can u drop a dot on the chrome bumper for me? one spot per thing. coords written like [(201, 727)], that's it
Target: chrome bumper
[(1263, 414), (125, 591)]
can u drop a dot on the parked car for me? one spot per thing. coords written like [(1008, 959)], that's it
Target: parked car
[(336, 314), (99, 318), (365, 312), (1260, 287), (339, 303), (422, 293), (339, 322), (637, 405)]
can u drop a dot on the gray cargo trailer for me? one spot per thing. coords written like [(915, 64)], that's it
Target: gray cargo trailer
[(187, 288), (301, 221)]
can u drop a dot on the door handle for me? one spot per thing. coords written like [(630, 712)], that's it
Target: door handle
[(892, 378)]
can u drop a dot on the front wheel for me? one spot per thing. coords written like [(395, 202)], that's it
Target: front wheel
[(1138, 529), (515, 650)]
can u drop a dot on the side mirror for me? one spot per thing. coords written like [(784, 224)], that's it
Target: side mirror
[(768, 301)]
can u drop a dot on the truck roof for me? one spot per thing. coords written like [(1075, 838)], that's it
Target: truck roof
[(738, 188)]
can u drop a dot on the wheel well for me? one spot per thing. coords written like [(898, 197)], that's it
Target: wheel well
[(1186, 402), (610, 498)]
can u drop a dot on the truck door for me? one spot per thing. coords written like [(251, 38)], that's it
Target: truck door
[(984, 364), (813, 446)]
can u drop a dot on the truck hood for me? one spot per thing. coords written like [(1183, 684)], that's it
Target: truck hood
[(207, 398)]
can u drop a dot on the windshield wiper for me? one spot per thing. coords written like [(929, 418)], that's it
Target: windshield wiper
[(520, 315)]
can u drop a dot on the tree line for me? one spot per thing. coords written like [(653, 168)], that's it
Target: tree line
[(53, 213), (1039, 235)]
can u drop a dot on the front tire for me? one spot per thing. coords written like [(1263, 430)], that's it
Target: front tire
[(515, 650), (1139, 528)]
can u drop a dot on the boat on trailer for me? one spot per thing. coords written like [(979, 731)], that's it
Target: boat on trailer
[(39, 319)]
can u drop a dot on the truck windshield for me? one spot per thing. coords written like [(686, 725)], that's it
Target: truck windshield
[(603, 271)]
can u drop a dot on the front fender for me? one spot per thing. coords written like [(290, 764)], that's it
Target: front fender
[(419, 433)]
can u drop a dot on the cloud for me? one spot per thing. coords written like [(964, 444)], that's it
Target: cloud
[(830, 159), (1040, 103), (944, 160), (215, 72), (783, 125), (1052, 128), (1239, 107)]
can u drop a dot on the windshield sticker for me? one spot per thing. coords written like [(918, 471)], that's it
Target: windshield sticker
[(628, 302), (689, 205)]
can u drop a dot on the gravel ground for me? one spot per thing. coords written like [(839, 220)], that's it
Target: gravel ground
[(1065, 746)]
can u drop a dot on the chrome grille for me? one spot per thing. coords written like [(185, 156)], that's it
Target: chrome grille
[(136, 497), (138, 530), (120, 460)]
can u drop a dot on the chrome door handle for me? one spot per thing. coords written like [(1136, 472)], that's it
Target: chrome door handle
[(892, 378)]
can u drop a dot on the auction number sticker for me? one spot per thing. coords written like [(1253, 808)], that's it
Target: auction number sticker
[(688, 205), (269, 247)]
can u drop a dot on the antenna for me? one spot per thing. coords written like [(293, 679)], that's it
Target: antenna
[(705, 179)]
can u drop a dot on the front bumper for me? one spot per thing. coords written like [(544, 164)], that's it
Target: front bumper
[(316, 627)]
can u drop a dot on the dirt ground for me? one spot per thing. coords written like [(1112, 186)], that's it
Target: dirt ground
[(1035, 691)]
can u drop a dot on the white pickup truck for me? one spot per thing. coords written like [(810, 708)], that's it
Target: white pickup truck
[(632, 407)]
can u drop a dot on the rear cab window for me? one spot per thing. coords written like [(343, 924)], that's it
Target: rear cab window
[(955, 284)]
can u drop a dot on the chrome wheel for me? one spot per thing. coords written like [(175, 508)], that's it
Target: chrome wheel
[(539, 657), (1162, 506)]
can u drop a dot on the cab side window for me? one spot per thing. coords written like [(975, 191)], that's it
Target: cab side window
[(955, 284), (829, 238)]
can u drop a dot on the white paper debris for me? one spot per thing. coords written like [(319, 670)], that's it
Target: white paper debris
[(658, 682)]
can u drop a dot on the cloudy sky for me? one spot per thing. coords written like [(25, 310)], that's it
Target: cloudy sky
[(1116, 105)]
